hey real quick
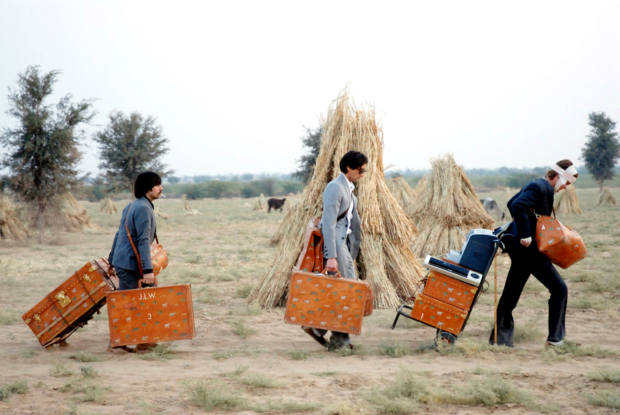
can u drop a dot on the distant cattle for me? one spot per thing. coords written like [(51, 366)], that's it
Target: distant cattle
[(491, 207), (275, 204)]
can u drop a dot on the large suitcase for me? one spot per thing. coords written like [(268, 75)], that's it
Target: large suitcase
[(151, 315), (449, 290), (326, 302), (72, 304), (438, 314)]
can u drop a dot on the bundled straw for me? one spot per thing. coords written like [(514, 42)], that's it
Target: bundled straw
[(567, 203), (386, 260), (161, 214), (260, 203), (73, 217), (446, 199), (11, 227), (108, 207), (509, 193), (403, 193), (606, 198), (186, 205)]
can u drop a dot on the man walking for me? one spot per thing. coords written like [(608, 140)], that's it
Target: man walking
[(138, 219), (341, 228)]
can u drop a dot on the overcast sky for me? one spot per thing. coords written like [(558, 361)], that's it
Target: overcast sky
[(232, 83)]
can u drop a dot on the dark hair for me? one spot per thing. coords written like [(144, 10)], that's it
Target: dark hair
[(145, 182), (565, 164), (353, 160)]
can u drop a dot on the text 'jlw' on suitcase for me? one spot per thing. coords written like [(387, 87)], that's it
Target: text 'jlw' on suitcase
[(72, 304), (151, 315), (326, 302)]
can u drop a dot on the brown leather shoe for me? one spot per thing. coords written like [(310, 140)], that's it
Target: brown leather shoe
[(320, 339), (146, 346), (123, 349)]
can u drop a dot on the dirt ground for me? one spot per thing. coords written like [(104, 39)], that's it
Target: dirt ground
[(247, 360)]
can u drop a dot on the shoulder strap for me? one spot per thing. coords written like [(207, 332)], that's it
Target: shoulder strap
[(346, 211), (131, 241)]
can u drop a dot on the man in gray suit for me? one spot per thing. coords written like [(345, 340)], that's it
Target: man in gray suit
[(341, 228)]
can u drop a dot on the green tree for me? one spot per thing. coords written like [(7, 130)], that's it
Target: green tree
[(312, 142), (130, 145), (42, 151), (602, 150)]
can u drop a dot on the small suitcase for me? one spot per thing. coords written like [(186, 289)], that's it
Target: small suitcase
[(449, 290), (151, 315), (438, 314), (326, 302), (72, 304)]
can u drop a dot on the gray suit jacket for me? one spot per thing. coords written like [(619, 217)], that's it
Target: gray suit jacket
[(336, 200), (142, 229)]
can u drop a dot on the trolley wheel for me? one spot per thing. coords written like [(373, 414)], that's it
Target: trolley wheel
[(445, 338)]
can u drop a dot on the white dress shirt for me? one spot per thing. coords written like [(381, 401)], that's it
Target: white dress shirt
[(350, 213)]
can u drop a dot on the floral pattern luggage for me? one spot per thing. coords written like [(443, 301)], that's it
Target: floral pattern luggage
[(449, 290), (72, 304), (438, 314), (151, 315), (326, 302)]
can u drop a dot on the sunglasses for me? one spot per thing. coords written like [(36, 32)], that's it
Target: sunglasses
[(361, 170)]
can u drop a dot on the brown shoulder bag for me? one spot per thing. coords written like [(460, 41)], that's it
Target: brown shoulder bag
[(159, 256), (562, 245)]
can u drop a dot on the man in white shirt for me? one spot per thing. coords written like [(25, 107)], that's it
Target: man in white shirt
[(341, 228)]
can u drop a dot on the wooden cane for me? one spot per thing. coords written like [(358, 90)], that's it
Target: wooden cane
[(495, 314)]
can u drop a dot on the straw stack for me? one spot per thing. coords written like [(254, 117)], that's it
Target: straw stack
[(606, 198), (11, 227), (403, 193), (509, 193), (385, 261), (161, 214), (446, 200), (186, 205), (260, 203), (73, 217), (567, 202), (108, 207)]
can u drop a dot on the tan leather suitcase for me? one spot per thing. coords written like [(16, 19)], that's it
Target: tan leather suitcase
[(151, 315), (326, 302), (562, 245), (449, 290), (72, 304), (438, 314)]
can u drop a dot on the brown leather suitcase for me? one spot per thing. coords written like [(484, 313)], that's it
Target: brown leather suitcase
[(438, 314), (151, 315), (449, 290), (326, 302), (562, 245), (72, 304)]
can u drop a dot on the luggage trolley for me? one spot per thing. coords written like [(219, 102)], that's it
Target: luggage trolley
[(471, 266)]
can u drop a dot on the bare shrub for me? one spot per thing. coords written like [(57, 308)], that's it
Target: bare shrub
[(241, 330), (258, 380), (13, 388), (214, 395)]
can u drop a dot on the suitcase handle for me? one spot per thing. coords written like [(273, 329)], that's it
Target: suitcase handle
[(140, 283), (329, 274)]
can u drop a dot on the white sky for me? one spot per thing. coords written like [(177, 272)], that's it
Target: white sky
[(232, 83)]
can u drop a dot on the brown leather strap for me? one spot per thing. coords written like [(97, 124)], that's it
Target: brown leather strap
[(131, 241)]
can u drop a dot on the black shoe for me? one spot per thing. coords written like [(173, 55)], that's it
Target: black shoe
[(320, 339)]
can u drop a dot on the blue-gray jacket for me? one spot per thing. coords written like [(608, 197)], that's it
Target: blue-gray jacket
[(142, 229), (336, 201)]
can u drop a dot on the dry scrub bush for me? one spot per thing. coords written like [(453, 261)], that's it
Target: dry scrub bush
[(59, 370), (299, 354), (13, 388), (210, 395), (258, 380), (394, 349), (570, 349), (487, 390), (241, 330), (8, 317), (282, 406), (607, 398), (161, 352), (606, 375), (88, 371), (85, 357)]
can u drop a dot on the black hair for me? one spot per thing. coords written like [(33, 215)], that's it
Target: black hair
[(353, 160), (145, 182)]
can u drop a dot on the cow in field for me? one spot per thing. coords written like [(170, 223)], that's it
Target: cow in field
[(275, 204), (491, 207)]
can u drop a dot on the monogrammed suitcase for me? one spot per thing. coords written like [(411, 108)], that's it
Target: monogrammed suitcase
[(72, 304), (438, 314), (327, 302), (449, 290), (151, 315)]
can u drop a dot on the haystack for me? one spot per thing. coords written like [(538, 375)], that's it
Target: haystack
[(446, 200), (186, 205), (161, 214), (73, 217), (108, 207), (260, 203), (11, 226), (403, 193), (385, 260), (606, 198), (509, 193), (567, 203)]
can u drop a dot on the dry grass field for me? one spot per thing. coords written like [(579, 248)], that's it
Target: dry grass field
[(246, 360)]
